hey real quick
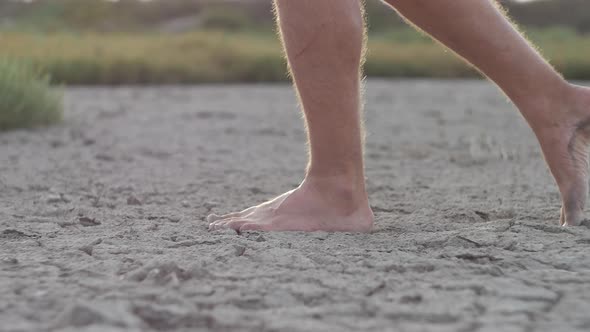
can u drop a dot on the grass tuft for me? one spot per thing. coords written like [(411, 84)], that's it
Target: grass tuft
[(26, 98)]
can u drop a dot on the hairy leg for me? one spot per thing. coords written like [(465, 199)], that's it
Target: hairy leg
[(558, 112), (324, 42)]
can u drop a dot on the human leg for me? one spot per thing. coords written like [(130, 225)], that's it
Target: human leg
[(558, 112), (324, 42)]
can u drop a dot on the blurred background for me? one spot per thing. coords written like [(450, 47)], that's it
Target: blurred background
[(200, 41)]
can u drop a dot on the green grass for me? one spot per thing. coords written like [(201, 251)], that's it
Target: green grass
[(26, 98), (222, 56)]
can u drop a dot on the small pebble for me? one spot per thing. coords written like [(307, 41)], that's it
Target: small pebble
[(411, 298), (90, 247), (53, 198), (88, 141), (225, 231), (239, 250), (209, 205), (66, 223), (87, 222), (320, 235), (56, 198), (132, 200), (255, 237), (56, 144), (86, 249), (174, 219), (11, 260)]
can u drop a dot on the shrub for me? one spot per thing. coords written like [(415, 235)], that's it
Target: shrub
[(26, 99)]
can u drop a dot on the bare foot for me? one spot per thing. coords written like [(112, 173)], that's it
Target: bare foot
[(313, 206), (565, 141)]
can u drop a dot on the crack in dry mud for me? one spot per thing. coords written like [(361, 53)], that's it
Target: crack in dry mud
[(102, 218)]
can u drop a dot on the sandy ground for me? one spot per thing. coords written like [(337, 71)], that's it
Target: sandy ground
[(102, 218)]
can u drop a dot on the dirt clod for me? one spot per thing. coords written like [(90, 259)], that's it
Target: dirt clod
[(88, 222), (132, 200)]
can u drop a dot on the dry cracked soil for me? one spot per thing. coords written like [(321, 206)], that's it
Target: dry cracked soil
[(102, 218)]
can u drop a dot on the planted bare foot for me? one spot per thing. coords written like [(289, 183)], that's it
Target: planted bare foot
[(565, 141), (316, 205)]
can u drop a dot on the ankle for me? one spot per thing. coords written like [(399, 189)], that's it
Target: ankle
[(337, 190), (351, 178), (341, 182), (551, 109), (580, 99)]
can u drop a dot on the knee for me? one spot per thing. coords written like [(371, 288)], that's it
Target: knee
[(348, 19), (347, 30), (339, 18), (340, 28)]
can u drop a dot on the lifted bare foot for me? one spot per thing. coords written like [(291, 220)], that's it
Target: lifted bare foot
[(314, 206), (565, 141)]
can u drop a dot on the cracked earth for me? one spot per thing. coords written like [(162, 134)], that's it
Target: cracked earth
[(102, 219)]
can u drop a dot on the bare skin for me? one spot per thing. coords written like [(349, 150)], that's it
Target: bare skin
[(323, 42), (558, 112)]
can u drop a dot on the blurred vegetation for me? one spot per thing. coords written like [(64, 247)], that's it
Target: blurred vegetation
[(26, 99), (195, 57), (196, 41), (136, 15)]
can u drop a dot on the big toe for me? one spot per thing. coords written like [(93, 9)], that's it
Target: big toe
[(230, 223), (213, 217), (250, 226)]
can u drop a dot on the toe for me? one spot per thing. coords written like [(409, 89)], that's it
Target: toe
[(253, 227), (212, 226), (572, 211), (214, 217), (226, 223), (217, 225), (236, 224), (561, 217), (572, 216)]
